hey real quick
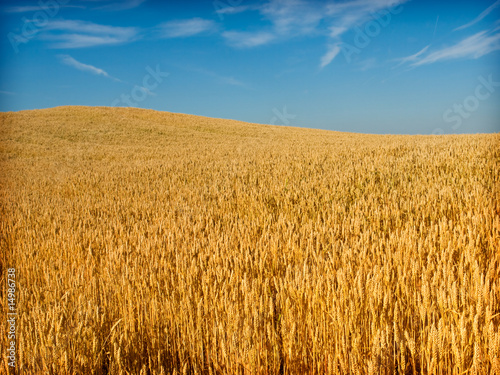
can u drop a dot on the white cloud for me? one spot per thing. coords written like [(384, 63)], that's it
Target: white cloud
[(328, 57), (185, 28), (367, 64), (294, 18), (70, 61), (220, 78), (361, 6), (122, 5), (413, 57), (336, 31), (36, 8), (287, 18), (248, 39), (231, 81), (233, 9), (483, 14), (81, 34), (473, 47), (115, 5), (69, 41), (91, 28), (345, 16)]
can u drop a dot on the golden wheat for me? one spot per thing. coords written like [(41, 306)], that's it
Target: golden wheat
[(154, 243)]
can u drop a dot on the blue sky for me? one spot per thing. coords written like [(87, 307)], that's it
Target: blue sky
[(370, 66)]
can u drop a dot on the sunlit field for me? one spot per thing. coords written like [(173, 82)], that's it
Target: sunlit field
[(148, 242)]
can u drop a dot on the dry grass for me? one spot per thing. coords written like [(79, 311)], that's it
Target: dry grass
[(155, 243)]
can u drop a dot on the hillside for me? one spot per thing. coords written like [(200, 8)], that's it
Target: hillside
[(153, 242)]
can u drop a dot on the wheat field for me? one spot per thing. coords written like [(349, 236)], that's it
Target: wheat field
[(149, 242)]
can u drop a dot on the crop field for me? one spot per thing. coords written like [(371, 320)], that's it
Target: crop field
[(148, 242)]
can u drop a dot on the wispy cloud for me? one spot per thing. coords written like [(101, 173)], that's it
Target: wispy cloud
[(185, 28), (343, 17), (70, 61), (86, 27), (346, 15), (295, 18), (7, 93), (114, 5), (287, 19), (233, 9), (248, 39), (367, 64), (226, 80), (412, 58), (122, 5), (81, 34), (36, 8), (472, 47), (328, 57), (483, 14)]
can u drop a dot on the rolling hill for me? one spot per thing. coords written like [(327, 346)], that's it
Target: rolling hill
[(152, 242)]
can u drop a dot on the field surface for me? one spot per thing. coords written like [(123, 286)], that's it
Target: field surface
[(148, 242)]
